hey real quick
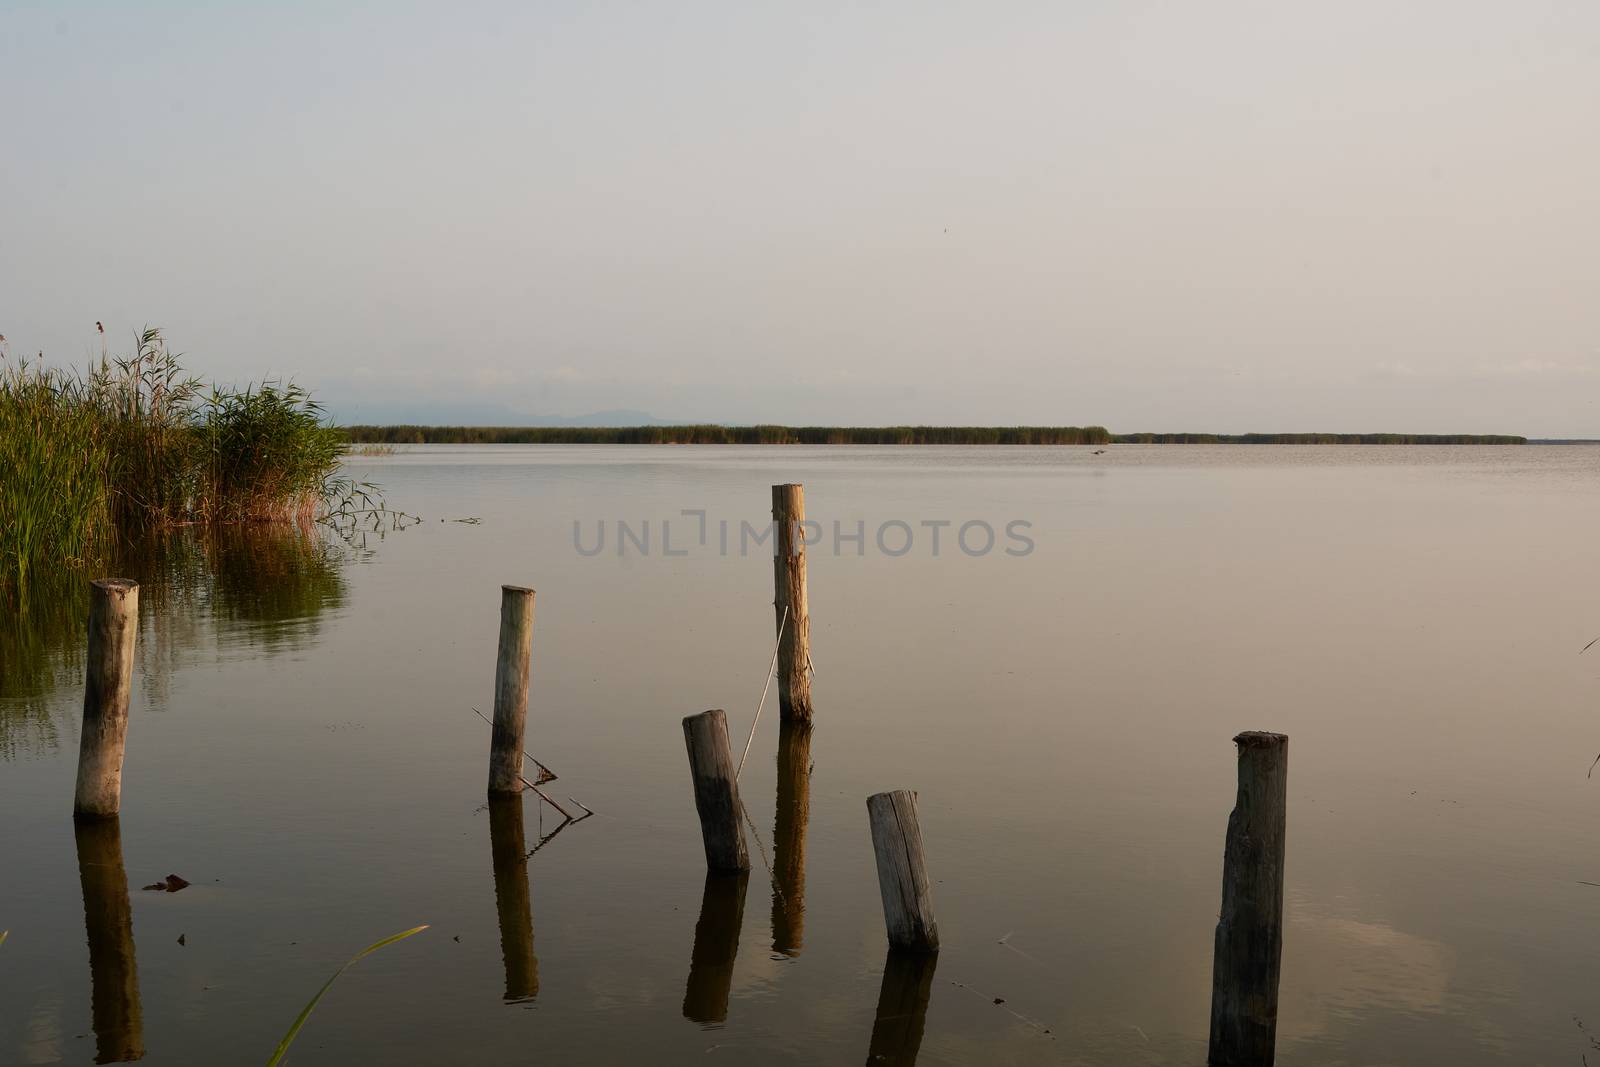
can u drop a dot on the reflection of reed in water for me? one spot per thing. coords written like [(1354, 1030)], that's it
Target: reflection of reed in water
[(261, 586), (789, 838), (902, 1008), (716, 943), (41, 650), (273, 578), (108, 916), (508, 848)]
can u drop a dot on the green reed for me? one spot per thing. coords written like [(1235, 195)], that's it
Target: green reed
[(305, 1013), (55, 494), (134, 445)]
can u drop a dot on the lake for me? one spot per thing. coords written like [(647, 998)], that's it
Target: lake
[(303, 750)]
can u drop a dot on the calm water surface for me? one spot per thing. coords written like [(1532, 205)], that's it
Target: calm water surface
[(303, 750)]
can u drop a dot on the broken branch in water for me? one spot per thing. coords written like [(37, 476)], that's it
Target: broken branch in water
[(546, 798), (1590, 645), (545, 773)]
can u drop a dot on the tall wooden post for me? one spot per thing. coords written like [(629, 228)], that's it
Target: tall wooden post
[(1249, 946), (508, 850), (108, 917), (716, 946), (113, 625), (789, 838), (792, 613), (902, 871), (716, 790), (511, 689)]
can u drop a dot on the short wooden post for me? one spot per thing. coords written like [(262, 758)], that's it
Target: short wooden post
[(716, 946), (789, 838), (793, 615), (108, 917), (511, 689), (716, 790), (902, 871), (508, 851), (1249, 945), (113, 625), (902, 1008)]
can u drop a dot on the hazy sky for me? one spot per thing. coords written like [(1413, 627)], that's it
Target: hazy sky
[(1223, 216)]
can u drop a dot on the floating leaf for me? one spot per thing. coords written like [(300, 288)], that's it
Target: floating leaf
[(172, 884)]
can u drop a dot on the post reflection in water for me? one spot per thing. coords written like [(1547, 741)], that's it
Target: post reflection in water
[(716, 943), (902, 1008), (789, 838), (108, 917), (509, 851)]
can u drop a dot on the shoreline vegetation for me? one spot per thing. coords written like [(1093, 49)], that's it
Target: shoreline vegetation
[(874, 435), (132, 446)]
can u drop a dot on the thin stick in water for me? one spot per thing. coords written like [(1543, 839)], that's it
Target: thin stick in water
[(545, 773), (775, 646)]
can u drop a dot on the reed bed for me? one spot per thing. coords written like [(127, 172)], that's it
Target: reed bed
[(134, 445), (875, 435), (733, 435)]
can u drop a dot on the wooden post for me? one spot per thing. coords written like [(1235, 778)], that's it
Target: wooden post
[(1249, 946), (789, 580), (113, 625), (716, 790), (902, 1008), (789, 838), (716, 945), (902, 872), (108, 917), (508, 850), (511, 689)]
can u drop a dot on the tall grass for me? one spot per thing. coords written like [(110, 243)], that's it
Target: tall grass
[(133, 445), (265, 453), (55, 495)]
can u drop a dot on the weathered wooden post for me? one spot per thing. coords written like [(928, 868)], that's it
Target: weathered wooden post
[(1249, 946), (716, 946), (902, 1008), (108, 917), (113, 625), (793, 615), (508, 850), (716, 790), (506, 742), (902, 872), (789, 838)]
